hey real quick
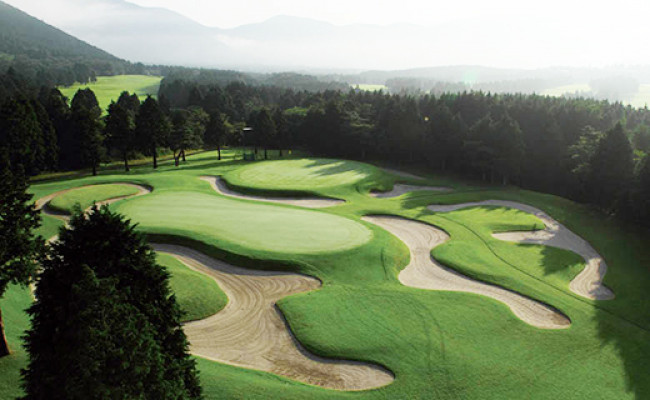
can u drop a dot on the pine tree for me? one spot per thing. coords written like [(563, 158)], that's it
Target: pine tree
[(152, 128), (119, 130), (216, 132), (105, 323), (18, 247), (86, 126), (20, 134)]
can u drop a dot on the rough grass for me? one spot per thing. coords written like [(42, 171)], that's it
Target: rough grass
[(86, 196), (198, 295), (443, 345), (109, 88)]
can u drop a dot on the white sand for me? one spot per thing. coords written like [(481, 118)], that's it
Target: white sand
[(251, 332), (424, 272)]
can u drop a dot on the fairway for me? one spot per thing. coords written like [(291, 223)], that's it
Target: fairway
[(86, 196), (300, 175), (421, 300), (253, 226), (109, 88)]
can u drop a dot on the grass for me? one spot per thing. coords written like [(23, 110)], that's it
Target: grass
[(444, 345), (109, 88), (198, 295), (87, 196), (262, 227)]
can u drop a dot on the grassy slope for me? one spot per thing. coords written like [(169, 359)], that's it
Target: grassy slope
[(86, 196), (198, 295), (108, 88), (444, 344)]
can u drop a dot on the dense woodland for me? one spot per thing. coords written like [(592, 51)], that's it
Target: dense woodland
[(590, 151)]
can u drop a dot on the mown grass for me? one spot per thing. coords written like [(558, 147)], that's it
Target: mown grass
[(444, 345), (109, 88), (85, 197), (198, 295)]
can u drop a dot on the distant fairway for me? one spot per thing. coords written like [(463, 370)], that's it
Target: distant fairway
[(214, 219), (86, 196), (369, 87), (304, 174), (108, 88)]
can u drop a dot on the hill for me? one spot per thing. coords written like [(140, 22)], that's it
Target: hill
[(46, 55)]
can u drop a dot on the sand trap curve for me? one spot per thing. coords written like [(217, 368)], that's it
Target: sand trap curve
[(219, 185), (251, 332), (589, 282), (424, 272), (42, 203), (400, 188)]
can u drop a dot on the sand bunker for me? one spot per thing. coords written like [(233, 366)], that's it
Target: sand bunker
[(589, 282), (424, 272), (399, 189), (42, 203), (219, 185), (251, 332)]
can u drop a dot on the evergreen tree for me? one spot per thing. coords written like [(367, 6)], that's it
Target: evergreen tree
[(85, 117), (20, 135), (105, 323), (264, 129), (18, 247), (216, 132), (119, 130), (282, 130), (611, 169), (152, 128)]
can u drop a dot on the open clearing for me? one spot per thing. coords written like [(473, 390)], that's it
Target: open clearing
[(438, 343), (109, 88)]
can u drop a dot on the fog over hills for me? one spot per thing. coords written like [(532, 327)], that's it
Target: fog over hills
[(157, 35)]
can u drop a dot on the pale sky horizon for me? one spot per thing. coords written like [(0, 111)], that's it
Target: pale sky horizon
[(500, 33)]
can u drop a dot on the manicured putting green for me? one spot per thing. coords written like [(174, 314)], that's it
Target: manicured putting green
[(86, 196), (302, 174), (254, 226), (198, 295)]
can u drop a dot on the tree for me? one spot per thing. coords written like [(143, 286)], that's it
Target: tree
[(188, 129), (119, 130), (18, 247), (152, 128), (20, 134), (105, 323), (264, 129), (216, 132), (58, 111), (611, 169), (282, 129), (85, 118)]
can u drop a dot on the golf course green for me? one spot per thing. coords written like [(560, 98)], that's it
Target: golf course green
[(333, 282), (86, 196)]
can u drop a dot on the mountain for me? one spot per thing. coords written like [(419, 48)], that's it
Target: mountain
[(22, 34), (138, 34)]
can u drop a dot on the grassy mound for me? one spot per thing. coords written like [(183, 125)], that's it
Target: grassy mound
[(300, 175), (269, 228), (198, 295), (86, 196)]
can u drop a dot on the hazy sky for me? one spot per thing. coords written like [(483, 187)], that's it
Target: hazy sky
[(502, 33), (620, 15)]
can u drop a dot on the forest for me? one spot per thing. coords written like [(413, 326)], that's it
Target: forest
[(591, 151)]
